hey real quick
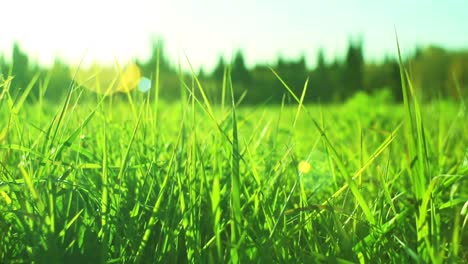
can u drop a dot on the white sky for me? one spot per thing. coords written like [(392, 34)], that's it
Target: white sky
[(204, 29)]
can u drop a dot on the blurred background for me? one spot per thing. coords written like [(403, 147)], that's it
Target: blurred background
[(344, 47)]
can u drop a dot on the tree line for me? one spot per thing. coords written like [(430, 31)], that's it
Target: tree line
[(435, 73)]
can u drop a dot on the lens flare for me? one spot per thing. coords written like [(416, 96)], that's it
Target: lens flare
[(108, 80), (304, 167), (144, 85)]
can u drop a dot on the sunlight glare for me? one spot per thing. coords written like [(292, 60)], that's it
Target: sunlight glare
[(108, 80)]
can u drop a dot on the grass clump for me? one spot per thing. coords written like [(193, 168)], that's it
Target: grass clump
[(134, 180)]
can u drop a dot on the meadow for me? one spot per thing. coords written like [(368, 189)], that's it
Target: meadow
[(134, 179)]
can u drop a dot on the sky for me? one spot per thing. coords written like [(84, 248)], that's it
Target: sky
[(203, 30)]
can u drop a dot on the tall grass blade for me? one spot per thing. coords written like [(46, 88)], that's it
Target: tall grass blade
[(235, 187)]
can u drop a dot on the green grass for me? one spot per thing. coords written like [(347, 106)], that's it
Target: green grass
[(129, 179)]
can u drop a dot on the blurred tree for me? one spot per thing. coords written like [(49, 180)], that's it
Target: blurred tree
[(321, 89), (430, 72), (201, 74), (294, 73), (458, 76), (169, 80), (298, 74), (335, 73), (59, 80), (418, 53), (280, 64), (218, 73), (435, 73), (321, 65), (265, 86), (157, 59), (353, 74), (20, 68), (392, 68), (3, 66), (240, 74), (384, 75), (217, 77)]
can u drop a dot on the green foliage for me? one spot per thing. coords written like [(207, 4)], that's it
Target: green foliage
[(218, 73), (136, 179), (57, 81), (240, 74), (294, 73), (353, 72), (20, 69), (322, 82), (3, 66), (435, 73), (385, 76), (169, 78)]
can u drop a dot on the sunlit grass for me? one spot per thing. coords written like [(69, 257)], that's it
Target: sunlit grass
[(135, 179)]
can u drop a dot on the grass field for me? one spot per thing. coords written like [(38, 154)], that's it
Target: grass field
[(135, 179)]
